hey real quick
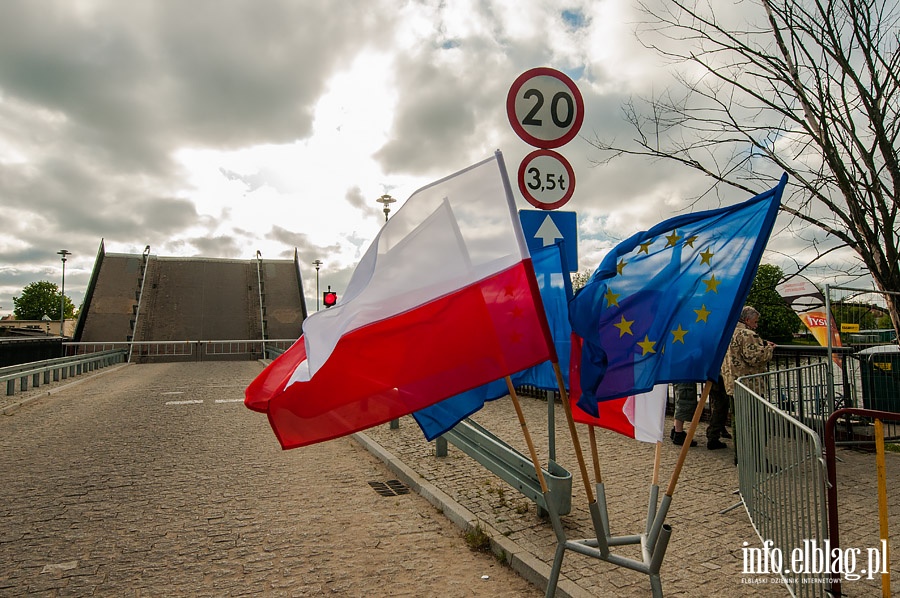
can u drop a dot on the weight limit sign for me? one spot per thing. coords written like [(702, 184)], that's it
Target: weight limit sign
[(546, 179)]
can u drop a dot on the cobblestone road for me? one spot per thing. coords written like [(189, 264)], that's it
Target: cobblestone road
[(126, 484), (154, 480)]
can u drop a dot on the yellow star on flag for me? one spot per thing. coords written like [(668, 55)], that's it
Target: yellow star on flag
[(690, 241), (673, 239), (702, 313), (620, 267), (647, 345), (624, 326), (706, 256), (712, 284), (611, 298), (679, 335), (645, 247)]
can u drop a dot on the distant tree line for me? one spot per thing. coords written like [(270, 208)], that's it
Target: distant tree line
[(40, 299)]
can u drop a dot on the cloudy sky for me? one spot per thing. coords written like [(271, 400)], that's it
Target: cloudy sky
[(219, 128)]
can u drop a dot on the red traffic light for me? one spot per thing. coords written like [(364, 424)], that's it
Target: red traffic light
[(329, 298)]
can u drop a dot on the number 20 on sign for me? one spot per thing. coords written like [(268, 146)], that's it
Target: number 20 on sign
[(545, 108)]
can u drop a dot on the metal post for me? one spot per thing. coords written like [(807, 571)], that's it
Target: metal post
[(62, 253), (317, 264), (829, 372), (262, 312), (386, 200)]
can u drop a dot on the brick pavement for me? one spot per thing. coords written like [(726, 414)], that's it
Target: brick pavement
[(704, 557)]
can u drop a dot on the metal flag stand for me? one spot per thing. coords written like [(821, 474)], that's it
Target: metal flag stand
[(654, 540)]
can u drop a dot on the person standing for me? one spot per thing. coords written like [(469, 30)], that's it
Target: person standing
[(685, 405), (747, 354), (719, 404)]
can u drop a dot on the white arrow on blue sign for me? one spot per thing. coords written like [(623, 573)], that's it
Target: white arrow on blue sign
[(543, 228)]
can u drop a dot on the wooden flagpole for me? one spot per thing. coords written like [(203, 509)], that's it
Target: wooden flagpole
[(564, 396), (690, 436), (534, 457), (657, 458), (663, 509)]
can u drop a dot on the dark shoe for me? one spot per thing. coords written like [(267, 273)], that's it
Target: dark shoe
[(725, 434), (714, 444), (679, 438)]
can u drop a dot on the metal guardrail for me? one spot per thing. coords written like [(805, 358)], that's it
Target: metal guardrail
[(40, 372), (271, 352), (512, 466), (781, 474)]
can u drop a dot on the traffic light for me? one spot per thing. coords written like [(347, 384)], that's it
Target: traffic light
[(329, 298)]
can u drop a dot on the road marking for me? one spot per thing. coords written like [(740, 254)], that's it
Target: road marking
[(194, 402), (173, 392), (229, 400)]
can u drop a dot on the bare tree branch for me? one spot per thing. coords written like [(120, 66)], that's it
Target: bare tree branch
[(811, 89)]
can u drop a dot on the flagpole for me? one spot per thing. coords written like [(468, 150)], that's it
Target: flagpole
[(670, 490), (597, 511), (573, 432), (534, 457), (654, 487), (690, 436), (595, 455)]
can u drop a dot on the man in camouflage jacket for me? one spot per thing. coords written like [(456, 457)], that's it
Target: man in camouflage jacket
[(747, 354)]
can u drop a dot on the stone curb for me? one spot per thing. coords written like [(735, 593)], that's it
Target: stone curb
[(522, 562)]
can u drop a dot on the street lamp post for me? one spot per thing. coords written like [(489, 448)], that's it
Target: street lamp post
[(386, 200), (317, 264), (63, 253)]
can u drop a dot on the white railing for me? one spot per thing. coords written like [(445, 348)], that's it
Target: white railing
[(142, 351)]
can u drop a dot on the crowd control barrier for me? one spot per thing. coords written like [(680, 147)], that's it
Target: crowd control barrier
[(781, 474)]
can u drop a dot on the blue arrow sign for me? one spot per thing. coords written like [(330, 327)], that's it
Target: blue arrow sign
[(543, 228)]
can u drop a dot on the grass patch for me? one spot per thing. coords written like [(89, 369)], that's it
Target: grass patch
[(477, 540)]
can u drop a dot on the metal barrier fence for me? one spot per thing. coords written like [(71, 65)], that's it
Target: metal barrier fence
[(859, 380), (40, 372), (162, 351), (782, 474)]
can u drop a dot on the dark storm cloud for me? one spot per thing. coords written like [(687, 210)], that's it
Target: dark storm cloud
[(96, 98), (141, 80)]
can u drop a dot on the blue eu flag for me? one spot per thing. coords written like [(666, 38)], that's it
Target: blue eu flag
[(663, 304)]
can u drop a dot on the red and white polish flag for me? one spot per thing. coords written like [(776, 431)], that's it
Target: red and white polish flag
[(444, 300)]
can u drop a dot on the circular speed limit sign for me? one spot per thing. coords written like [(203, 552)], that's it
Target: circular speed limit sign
[(546, 179), (545, 107)]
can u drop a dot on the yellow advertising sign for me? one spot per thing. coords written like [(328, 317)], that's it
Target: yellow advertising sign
[(849, 327)]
